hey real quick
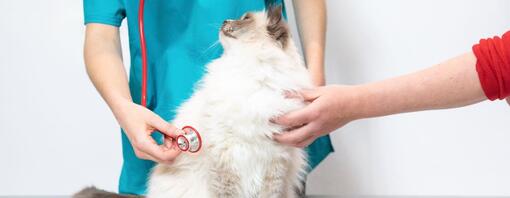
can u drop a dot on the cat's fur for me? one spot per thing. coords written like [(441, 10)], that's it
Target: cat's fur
[(231, 108)]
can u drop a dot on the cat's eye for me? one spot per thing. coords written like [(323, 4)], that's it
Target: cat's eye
[(246, 16)]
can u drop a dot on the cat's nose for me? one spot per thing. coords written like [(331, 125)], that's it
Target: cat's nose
[(227, 26), (226, 22)]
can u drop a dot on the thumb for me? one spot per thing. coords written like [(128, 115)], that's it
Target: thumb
[(508, 100), (296, 118), (310, 94), (163, 126)]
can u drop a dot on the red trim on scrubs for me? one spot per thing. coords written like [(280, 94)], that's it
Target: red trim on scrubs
[(493, 66)]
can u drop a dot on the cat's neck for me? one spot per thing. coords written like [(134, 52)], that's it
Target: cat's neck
[(270, 65), (264, 52)]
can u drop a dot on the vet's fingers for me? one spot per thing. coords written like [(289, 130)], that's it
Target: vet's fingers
[(298, 117), (508, 100), (295, 136), (169, 142), (159, 152), (292, 94), (310, 94), (143, 155), (163, 126)]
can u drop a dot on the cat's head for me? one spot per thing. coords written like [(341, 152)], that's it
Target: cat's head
[(256, 28)]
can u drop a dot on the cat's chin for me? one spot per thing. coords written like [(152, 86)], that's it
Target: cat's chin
[(225, 41)]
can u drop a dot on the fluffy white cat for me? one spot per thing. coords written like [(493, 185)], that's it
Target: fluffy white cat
[(231, 108), (241, 91)]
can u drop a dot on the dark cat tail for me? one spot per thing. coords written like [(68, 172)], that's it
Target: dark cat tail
[(93, 192)]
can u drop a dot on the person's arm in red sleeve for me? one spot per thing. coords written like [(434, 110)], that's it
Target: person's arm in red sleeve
[(493, 66), (463, 80)]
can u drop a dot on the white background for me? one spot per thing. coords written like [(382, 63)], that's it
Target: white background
[(57, 135)]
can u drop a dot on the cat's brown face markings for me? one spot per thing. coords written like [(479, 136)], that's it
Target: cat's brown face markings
[(235, 27), (253, 27)]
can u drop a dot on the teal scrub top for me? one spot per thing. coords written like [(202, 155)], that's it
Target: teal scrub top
[(180, 36)]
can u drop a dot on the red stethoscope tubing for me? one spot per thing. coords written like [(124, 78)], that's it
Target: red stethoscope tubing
[(143, 47)]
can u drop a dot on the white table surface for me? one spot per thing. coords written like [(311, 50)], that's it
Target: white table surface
[(310, 196)]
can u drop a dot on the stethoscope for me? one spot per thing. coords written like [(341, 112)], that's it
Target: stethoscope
[(190, 140)]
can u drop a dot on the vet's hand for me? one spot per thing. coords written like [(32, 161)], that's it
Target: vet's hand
[(508, 100), (328, 110), (139, 123)]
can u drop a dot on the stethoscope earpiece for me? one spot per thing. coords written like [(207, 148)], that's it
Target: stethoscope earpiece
[(190, 141)]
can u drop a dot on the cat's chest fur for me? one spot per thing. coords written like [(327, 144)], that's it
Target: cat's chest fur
[(240, 94)]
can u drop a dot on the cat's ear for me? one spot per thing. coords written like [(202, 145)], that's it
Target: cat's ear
[(276, 27), (274, 14)]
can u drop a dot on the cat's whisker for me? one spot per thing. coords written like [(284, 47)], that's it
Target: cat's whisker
[(215, 44)]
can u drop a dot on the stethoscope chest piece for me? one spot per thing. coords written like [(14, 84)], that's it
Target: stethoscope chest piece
[(190, 140)]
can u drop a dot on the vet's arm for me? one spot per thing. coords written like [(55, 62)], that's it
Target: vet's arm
[(453, 83), (311, 22), (103, 60)]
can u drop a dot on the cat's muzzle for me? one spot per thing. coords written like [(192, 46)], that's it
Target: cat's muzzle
[(227, 28)]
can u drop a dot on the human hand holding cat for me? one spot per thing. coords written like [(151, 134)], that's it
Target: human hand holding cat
[(139, 123), (330, 108)]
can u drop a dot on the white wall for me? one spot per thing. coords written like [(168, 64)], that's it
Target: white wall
[(56, 134)]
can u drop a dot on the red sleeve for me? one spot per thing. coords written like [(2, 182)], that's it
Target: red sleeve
[(493, 66)]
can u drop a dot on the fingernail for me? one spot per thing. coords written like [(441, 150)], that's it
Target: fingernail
[(288, 94)]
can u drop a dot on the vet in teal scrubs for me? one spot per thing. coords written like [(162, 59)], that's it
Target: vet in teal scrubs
[(180, 35)]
